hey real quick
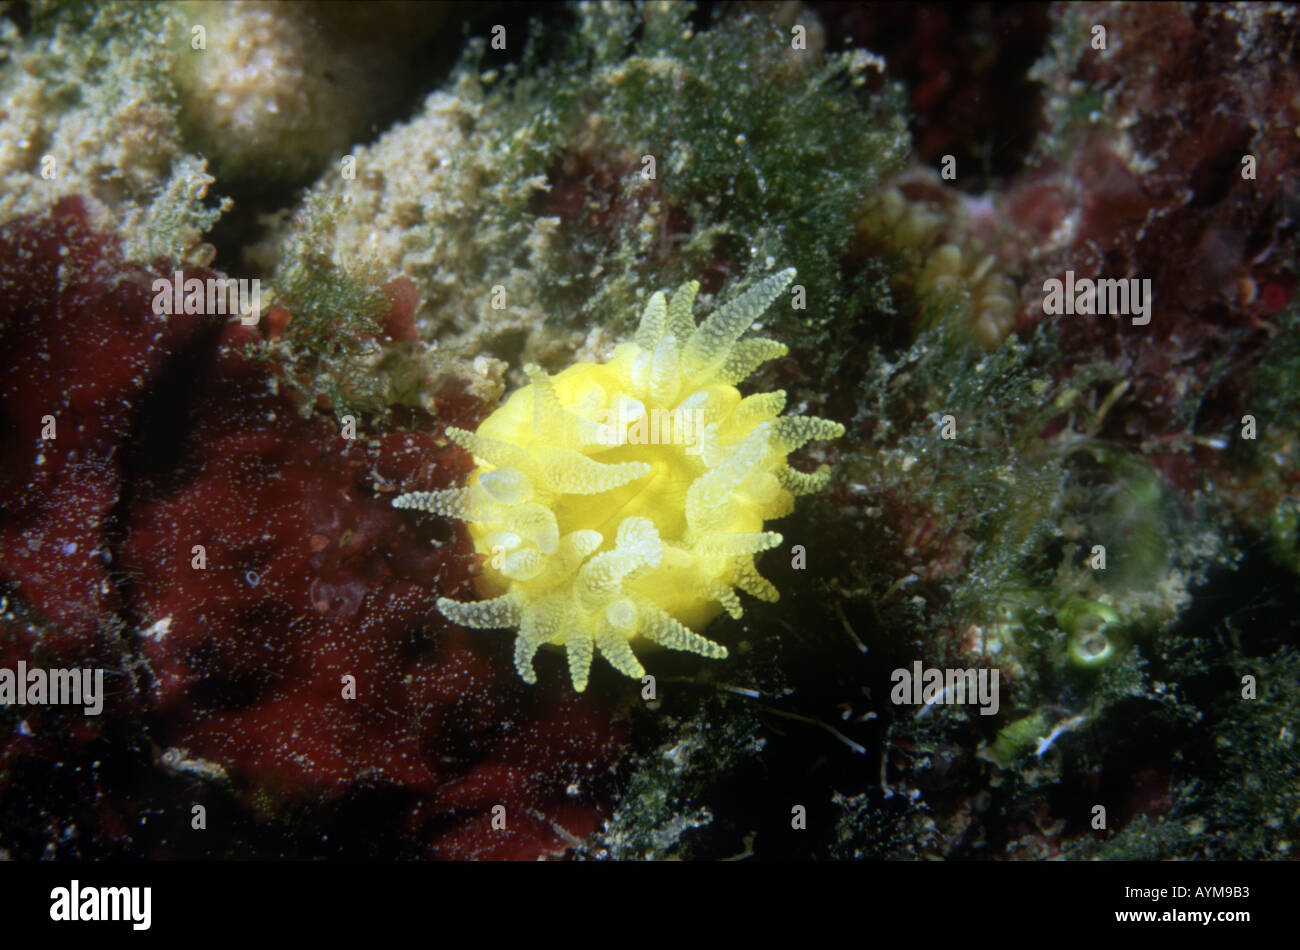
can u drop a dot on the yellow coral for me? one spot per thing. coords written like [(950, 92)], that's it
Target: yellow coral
[(627, 499), (962, 272)]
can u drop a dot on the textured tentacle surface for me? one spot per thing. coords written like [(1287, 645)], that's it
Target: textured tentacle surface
[(592, 551)]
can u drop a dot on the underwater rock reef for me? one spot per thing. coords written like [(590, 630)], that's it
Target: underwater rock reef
[(1037, 262)]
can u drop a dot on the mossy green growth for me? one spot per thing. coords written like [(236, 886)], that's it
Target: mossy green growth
[(760, 152), (88, 85), (767, 147), (1071, 110), (994, 479), (1006, 511), (177, 215), (329, 348)]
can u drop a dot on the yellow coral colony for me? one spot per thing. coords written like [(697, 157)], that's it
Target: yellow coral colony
[(627, 499)]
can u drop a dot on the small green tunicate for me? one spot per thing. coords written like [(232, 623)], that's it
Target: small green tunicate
[(1093, 629)]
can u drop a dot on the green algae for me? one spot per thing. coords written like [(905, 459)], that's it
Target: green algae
[(105, 111), (329, 340), (760, 154)]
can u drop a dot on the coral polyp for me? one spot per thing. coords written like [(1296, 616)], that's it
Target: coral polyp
[(627, 499)]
